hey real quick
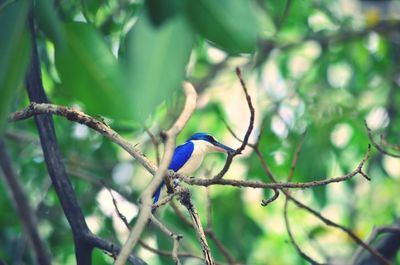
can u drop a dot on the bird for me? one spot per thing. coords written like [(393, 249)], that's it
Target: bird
[(188, 157)]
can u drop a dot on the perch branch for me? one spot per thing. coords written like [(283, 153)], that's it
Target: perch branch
[(146, 206), (185, 200)]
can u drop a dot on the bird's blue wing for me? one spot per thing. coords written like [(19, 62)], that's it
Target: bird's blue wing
[(181, 154)]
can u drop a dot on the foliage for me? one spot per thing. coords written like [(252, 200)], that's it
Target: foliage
[(309, 67)]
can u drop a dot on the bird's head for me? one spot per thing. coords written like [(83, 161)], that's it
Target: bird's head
[(210, 143)]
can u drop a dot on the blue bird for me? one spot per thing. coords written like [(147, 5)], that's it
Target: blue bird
[(188, 157)]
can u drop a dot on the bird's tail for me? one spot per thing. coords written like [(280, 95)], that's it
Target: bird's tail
[(157, 193)]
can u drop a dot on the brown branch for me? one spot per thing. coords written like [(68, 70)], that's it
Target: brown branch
[(376, 145), (291, 237), (77, 116), (210, 232), (387, 144), (296, 157), (185, 200), (176, 238), (164, 200), (374, 234), (238, 151), (180, 215), (273, 198), (23, 208), (346, 230), (275, 185), (145, 211), (169, 254), (155, 143), (287, 197)]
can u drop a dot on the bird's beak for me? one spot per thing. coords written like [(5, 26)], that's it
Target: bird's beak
[(223, 148)]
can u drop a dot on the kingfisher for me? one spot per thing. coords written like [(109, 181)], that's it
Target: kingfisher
[(188, 157)]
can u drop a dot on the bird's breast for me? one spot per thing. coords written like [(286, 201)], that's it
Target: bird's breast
[(193, 162)]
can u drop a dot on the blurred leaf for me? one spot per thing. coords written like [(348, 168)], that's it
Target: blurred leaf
[(155, 61), (218, 22), (14, 53), (48, 20), (91, 72), (161, 10), (92, 6)]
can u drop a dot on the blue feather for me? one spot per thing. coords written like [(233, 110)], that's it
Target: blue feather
[(181, 154)]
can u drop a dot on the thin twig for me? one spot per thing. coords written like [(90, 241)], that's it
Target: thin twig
[(23, 208), (156, 144), (180, 215), (291, 237), (296, 157), (284, 16), (273, 198), (210, 232), (176, 238), (169, 254), (387, 144), (376, 145), (185, 200), (346, 230), (287, 196), (238, 151), (374, 234)]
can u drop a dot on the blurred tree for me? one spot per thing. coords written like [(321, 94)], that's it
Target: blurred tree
[(321, 67)]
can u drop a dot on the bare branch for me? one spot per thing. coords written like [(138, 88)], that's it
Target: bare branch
[(273, 198), (210, 232), (185, 200), (146, 206), (374, 234), (156, 144), (376, 145), (180, 215), (238, 151), (291, 237), (296, 157), (77, 116), (275, 185), (340, 227), (23, 208), (387, 144)]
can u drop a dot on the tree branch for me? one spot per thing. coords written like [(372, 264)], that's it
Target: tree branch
[(185, 200), (84, 240), (376, 145), (238, 151), (23, 208), (190, 104)]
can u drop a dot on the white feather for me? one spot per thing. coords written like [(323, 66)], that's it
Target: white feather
[(201, 148)]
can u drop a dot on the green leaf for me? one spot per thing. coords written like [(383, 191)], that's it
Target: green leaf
[(48, 20), (91, 73), (161, 10), (155, 61), (14, 53), (231, 25)]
